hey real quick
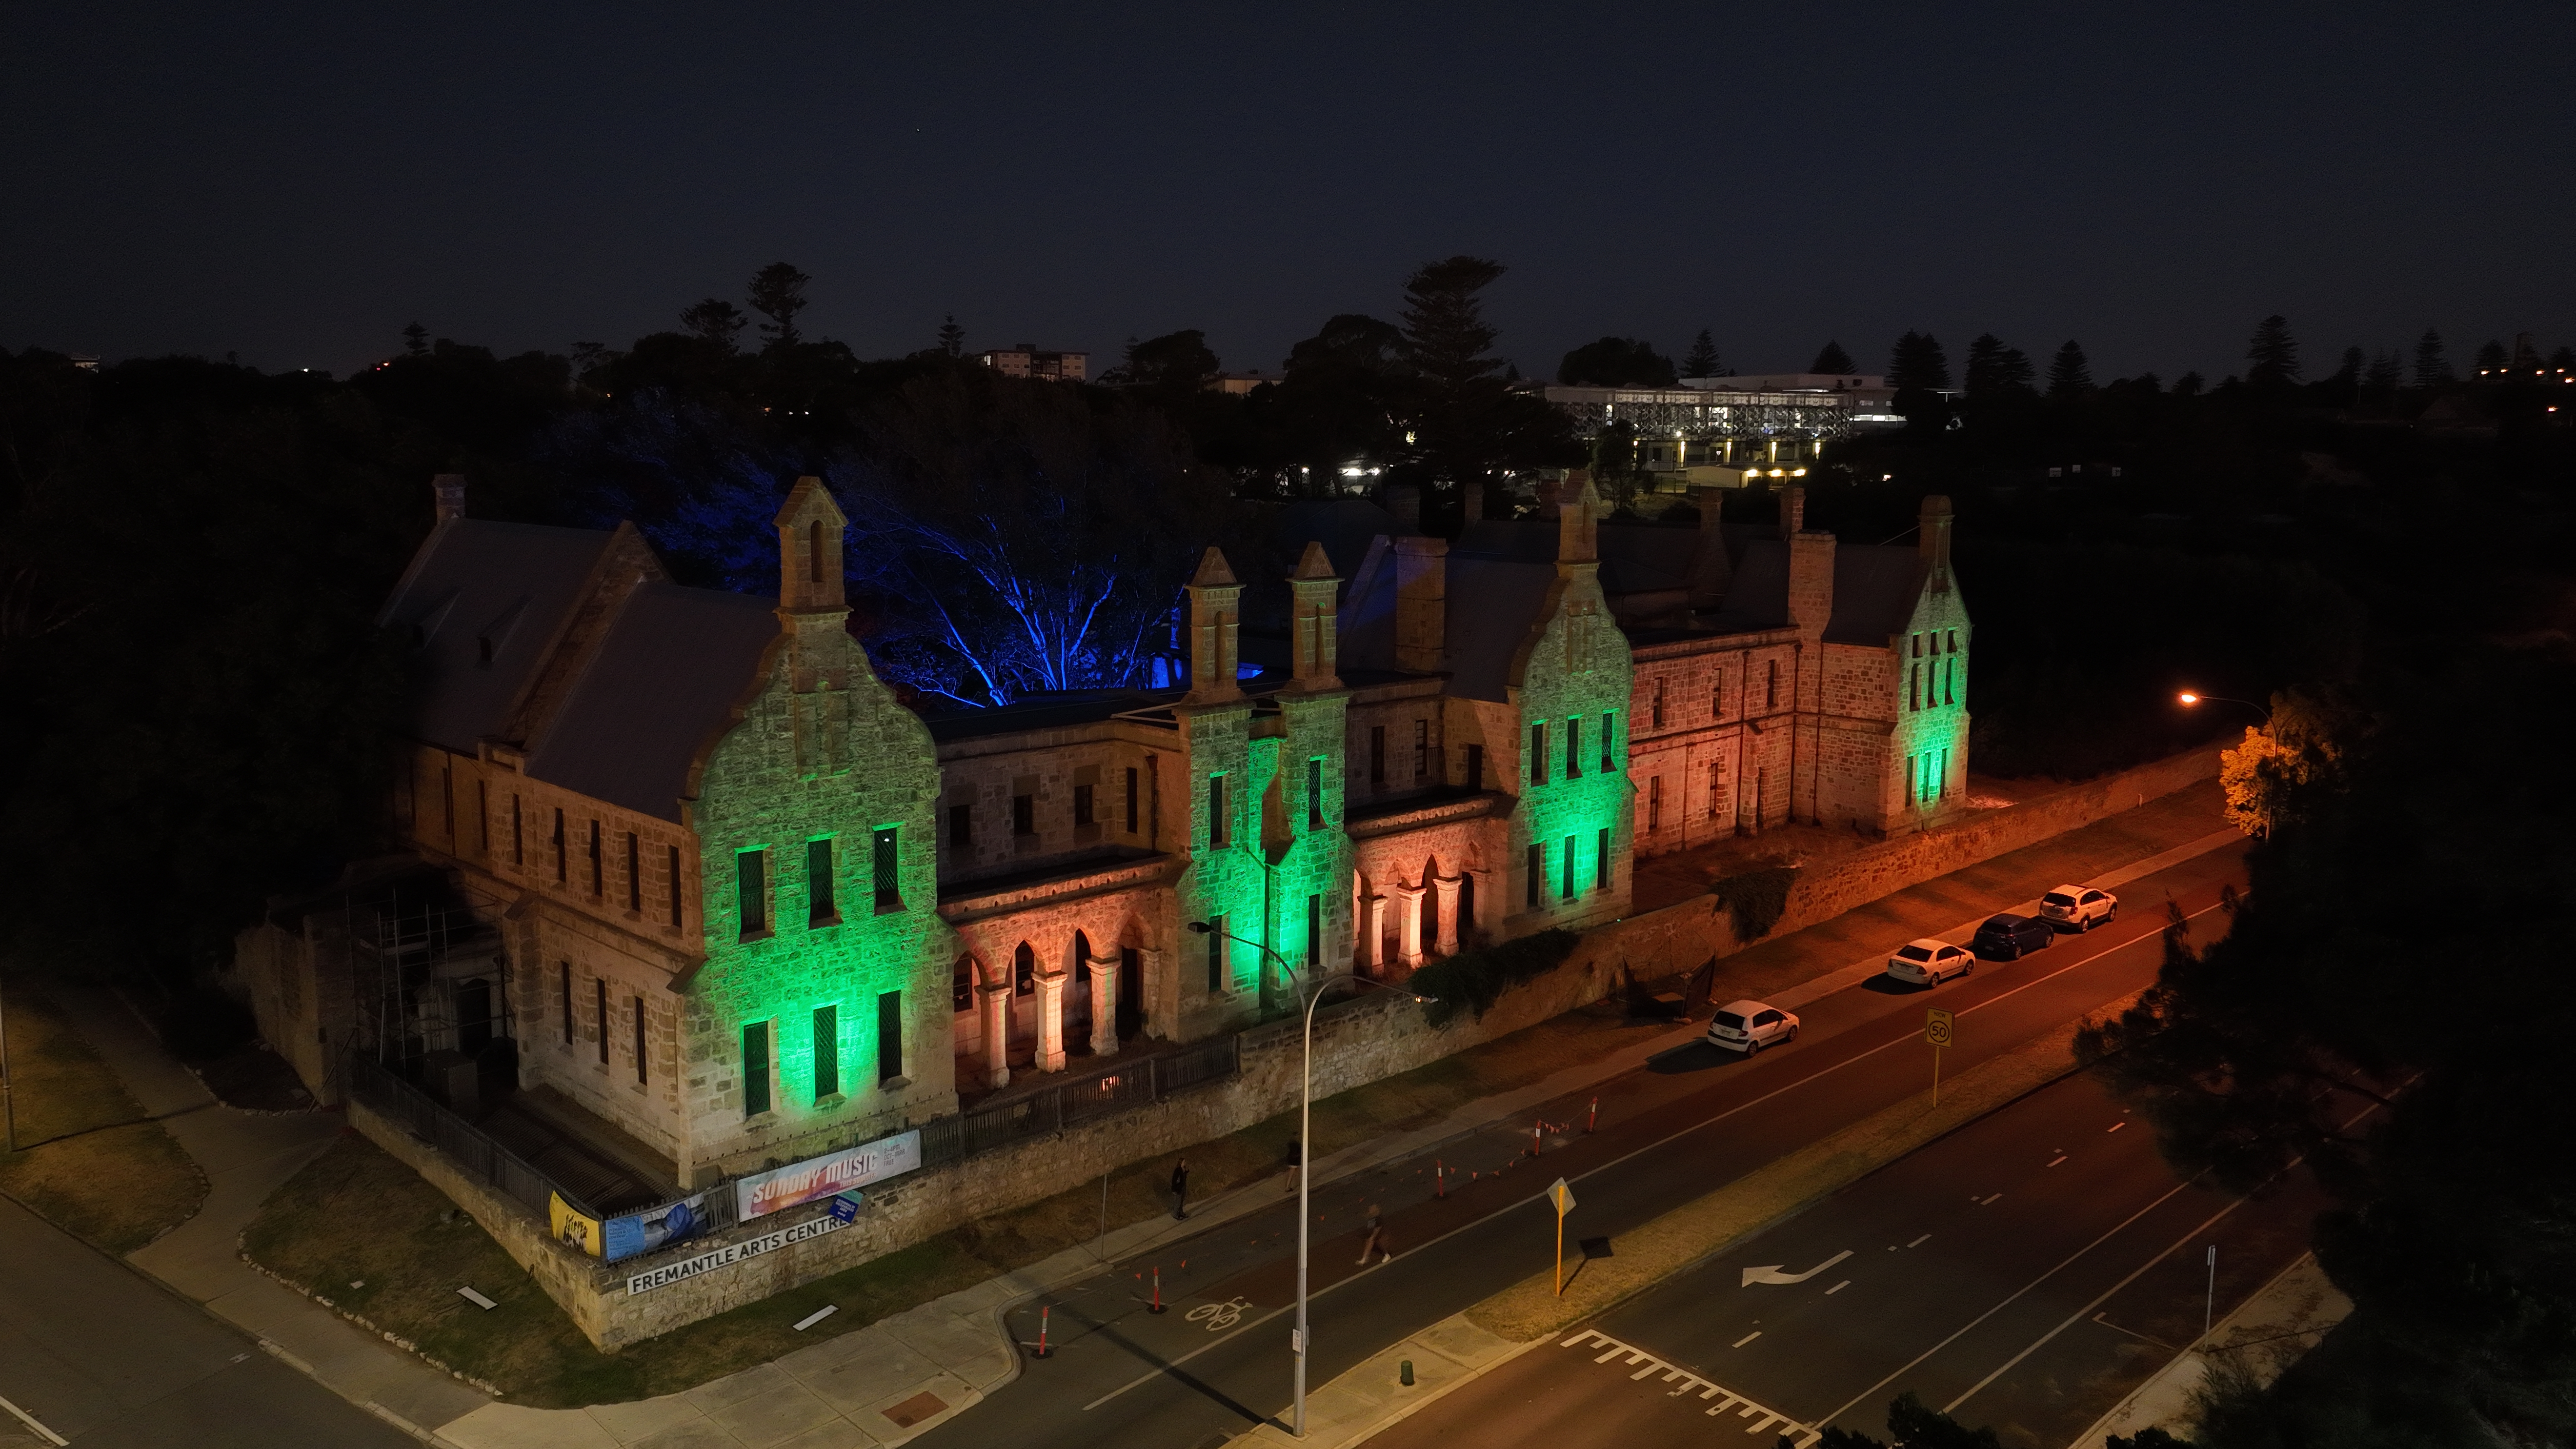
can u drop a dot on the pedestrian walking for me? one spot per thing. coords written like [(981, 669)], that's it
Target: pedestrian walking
[(1376, 1241), (1181, 1190), (1296, 1162)]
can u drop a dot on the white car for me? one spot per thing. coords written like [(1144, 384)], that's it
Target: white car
[(2078, 908), (1929, 963), (1749, 1026)]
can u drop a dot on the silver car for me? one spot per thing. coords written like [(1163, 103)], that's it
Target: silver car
[(1749, 1026)]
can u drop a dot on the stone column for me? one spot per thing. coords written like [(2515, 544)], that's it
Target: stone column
[(1489, 903), (1160, 1018), (1373, 941), (1104, 1006), (1447, 886), (1051, 1021), (996, 1000), (1409, 928)]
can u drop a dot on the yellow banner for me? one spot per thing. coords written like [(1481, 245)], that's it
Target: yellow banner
[(571, 1228)]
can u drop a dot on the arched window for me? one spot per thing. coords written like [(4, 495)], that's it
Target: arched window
[(1024, 971)]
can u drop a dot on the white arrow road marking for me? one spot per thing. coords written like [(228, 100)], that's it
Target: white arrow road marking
[(1770, 1273)]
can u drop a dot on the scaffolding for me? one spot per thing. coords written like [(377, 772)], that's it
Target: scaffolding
[(431, 978)]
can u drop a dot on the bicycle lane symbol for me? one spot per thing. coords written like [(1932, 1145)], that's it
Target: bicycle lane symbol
[(1219, 1316)]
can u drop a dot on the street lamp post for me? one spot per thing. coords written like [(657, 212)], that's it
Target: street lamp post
[(2189, 699), (1305, 1157)]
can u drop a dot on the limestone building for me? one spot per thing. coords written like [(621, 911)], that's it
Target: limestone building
[(743, 906)]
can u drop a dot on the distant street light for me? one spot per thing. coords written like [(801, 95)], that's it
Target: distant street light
[(2190, 699), (1305, 1151)]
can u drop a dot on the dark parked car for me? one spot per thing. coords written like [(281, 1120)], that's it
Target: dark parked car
[(2007, 937)]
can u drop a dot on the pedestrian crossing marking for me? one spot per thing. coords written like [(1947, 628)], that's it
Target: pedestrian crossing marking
[(1719, 1399)]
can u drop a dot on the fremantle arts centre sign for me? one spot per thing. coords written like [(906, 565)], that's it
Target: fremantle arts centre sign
[(811, 1180)]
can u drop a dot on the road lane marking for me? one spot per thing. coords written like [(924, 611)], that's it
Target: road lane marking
[(2056, 1160), (1837, 1288), (2116, 1126), (1919, 1242), (1154, 1373), (1989, 1202), (1748, 1338), (30, 1420), (1719, 1399)]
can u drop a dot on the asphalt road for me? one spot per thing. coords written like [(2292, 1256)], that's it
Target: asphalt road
[(101, 1357), (1693, 1120), (2025, 1273)]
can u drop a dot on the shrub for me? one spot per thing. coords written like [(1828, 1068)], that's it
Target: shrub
[(1478, 979), (1755, 899)]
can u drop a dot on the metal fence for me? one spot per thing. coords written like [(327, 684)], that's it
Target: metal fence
[(470, 1146), (1082, 1099)]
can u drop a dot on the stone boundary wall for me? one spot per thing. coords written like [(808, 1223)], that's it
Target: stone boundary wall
[(1356, 1042)]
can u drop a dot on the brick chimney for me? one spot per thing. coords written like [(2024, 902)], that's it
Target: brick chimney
[(1215, 614), (1404, 501), (1711, 573), (1313, 625), (449, 490), (1811, 582), (1421, 603), (1793, 511), (1932, 543), (810, 528), (1578, 522)]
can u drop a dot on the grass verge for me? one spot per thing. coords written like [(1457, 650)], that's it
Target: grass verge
[(1530, 1309), (365, 1234), (89, 1163)]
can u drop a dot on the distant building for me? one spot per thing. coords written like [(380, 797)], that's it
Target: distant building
[(1029, 360), (1238, 383), (1721, 435), (1794, 382)]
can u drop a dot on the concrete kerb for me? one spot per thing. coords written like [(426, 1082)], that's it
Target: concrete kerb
[(985, 1307)]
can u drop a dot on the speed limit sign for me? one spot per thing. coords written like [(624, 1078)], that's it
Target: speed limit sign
[(1936, 1027)]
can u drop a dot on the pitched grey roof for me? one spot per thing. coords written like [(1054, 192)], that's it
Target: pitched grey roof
[(1873, 594), (1343, 526), (1759, 597), (1493, 605), (1635, 558), (656, 689), (507, 586)]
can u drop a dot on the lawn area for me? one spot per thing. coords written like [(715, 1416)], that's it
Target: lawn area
[(88, 1162), (357, 1216)]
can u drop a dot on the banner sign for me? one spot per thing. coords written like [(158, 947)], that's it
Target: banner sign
[(570, 1227), (817, 1178), (731, 1253), (661, 1227)]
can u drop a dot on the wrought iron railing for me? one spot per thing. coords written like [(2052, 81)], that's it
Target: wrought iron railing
[(469, 1146)]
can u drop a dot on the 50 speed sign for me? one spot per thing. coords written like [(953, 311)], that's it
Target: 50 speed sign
[(1936, 1027)]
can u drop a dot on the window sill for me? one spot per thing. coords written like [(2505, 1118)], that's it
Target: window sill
[(890, 907), (833, 1102), (820, 923), (759, 935), (894, 1084)]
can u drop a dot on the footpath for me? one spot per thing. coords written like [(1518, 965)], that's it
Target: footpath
[(908, 1373)]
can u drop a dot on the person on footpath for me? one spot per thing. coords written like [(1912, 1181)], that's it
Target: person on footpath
[(1181, 1190), (1295, 1159), (1376, 1241)]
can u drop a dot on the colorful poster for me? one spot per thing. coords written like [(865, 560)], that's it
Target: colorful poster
[(571, 1228), (817, 1178), (659, 1228)]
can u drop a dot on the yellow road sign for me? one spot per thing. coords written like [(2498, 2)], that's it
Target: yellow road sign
[(1936, 1027), (1562, 1196)]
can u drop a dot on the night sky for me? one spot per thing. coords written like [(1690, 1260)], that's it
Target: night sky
[(295, 183)]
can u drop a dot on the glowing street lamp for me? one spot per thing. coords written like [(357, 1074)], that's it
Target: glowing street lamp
[(1305, 1153), (2189, 700)]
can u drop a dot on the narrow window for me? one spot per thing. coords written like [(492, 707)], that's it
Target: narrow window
[(1654, 804), (1216, 811), (751, 890), (820, 907), (563, 865), (1918, 646), (1574, 749), (676, 920), (1658, 718), (1914, 687), (1475, 767), (1941, 783), (518, 838), (563, 995), (888, 878), (634, 874), (1949, 676), (1716, 786), (1911, 771), (1601, 861), (1771, 684), (483, 813), (755, 1069), (1024, 815), (1537, 873), (1609, 741), (1421, 749), (598, 875), (1377, 754), (447, 798), (1082, 805), (1717, 693), (889, 1037), (1024, 971), (961, 827), (827, 1052), (599, 1003), (1565, 886), (640, 1053), (1314, 931), (814, 552), (1538, 753), (1131, 799), (1216, 954), (1314, 793)]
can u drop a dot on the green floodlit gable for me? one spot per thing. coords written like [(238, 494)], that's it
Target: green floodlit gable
[(1575, 671)]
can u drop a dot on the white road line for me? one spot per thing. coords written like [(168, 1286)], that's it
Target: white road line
[(1748, 1338), (2055, 1160), (1540, 1196), (1837, 1288), (2116, 1126), (1990, 1202), (30, 1420), (1919, 1242), (1720, 1400)]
